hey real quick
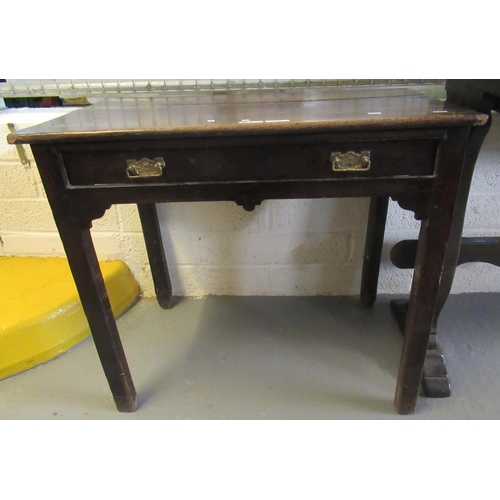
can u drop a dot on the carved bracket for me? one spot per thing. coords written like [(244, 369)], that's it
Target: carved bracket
[(248, 203), (84, 213), (418, 203)]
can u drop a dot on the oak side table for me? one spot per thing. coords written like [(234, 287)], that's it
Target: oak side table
[(248, 146)]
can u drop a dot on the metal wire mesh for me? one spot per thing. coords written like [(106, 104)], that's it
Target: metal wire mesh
[(82, 88)]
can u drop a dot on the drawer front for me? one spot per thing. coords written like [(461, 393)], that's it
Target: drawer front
[(251, 163)]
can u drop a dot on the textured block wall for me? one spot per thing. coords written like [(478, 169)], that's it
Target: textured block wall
[(299, 247)]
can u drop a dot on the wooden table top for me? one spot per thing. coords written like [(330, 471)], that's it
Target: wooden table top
[(249, 112)]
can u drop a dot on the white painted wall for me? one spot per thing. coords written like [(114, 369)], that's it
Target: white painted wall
[(300, 247)]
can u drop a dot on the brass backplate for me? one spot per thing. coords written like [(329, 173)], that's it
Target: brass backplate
[(350, 161), (145, 167)]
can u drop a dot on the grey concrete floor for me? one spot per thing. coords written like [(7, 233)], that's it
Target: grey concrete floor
[(267, 358)]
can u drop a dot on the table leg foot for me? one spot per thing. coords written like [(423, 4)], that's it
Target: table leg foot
[(435, 381), (126, 404)]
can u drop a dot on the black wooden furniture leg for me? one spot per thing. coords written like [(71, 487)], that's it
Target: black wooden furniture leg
[(87, 274), (373, 250), (74, 220), (430, 262), (156, 254), (435, 382), (418, 324)]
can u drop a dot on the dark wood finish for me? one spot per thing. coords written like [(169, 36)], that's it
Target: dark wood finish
[(435, 381), (373, 250), (248, 113), (482, 96), (75, 235), (475, 249), (156, 253), (480, 250), (430, 259), (248, 147), (273, 162)]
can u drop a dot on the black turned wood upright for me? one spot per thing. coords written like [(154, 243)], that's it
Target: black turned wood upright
[(246, 147)]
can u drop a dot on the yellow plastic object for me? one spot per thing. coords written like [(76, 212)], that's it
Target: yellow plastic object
[(40, 312)]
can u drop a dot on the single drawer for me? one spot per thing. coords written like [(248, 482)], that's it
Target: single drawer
[(251, 163)]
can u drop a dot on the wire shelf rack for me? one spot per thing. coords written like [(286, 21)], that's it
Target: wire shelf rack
[(84, 88)]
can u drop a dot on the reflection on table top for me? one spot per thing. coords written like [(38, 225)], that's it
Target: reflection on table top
[(248, 112)]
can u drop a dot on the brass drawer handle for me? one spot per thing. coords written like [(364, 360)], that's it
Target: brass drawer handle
[(350, 161), (145, 168)]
